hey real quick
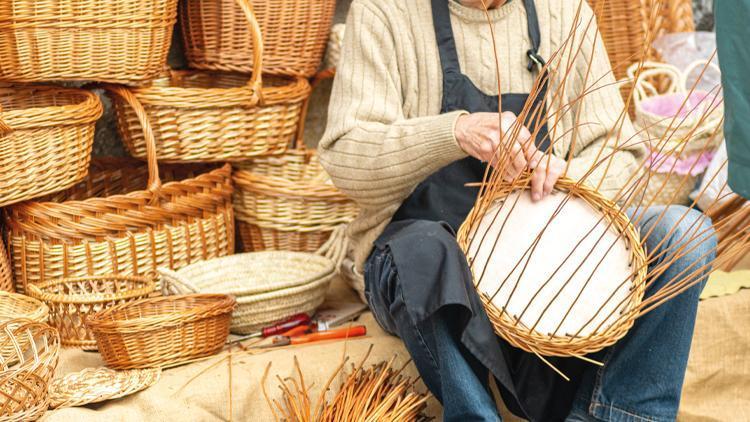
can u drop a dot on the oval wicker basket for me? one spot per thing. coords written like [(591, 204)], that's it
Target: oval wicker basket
[(6, 275), (162, 332), (294, 35), (46, 136), (545, 344), (109, 41), (104, 225), (30, 352), (71, 300), (215, 117)]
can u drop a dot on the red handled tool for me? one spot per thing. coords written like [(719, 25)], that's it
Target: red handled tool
[(276, 329), (340, 333)]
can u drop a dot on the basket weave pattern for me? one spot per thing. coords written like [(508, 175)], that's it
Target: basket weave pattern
[(72, 300), (123, 41), (6, 275), (163, 331), (93, 385)]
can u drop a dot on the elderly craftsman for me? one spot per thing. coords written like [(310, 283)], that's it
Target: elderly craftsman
[(413, 117)]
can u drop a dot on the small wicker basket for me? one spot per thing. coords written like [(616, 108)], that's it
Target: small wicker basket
[(46, 136), (123, 41), (294, 34), (15, 306), (30, 352), (163, 331), (215, 117), (71, 300)]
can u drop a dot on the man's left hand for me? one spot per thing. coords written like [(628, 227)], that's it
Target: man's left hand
[(547, 169)]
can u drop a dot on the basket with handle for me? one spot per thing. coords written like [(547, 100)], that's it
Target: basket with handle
[(46, 136), (109, 41), (71, 300), (108, 225), (295, 34), (200, 116), (287, 202)]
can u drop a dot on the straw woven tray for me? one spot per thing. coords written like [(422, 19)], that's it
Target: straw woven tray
[(93, 385)]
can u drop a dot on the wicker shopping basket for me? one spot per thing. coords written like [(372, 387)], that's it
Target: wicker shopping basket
[(46, 135), (123, 41), (162, 332), (216, 117), (71, 300), (295, 33), (105, 225)]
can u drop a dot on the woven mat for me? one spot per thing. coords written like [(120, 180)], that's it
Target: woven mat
[(93, 385)]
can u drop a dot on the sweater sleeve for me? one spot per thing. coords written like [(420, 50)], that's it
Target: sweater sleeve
[(615, 153), (372, 151)]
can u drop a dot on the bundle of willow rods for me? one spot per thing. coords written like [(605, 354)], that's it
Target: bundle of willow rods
[(378, 393)]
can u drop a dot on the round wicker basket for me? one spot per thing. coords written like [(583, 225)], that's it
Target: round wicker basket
[(528, 338), (162, 332), (46, 136), (71, 300), (294, 32)]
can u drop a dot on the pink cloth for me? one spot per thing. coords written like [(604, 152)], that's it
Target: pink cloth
[(666, 163), (671, 105)]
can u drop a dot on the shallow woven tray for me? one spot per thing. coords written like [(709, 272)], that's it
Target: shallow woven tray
[(93, 385)]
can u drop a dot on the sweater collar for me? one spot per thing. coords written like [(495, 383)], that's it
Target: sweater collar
[(471, 14)]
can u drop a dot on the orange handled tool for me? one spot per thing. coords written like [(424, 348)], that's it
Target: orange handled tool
[(357, 331)]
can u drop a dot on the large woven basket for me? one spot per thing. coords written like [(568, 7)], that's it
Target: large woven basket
[(124, 41), (71, 300), (162, 332), (294, 34), (46, 135), (30, 351), (269, 286), (105, 225), (6, 275), (216, 117)]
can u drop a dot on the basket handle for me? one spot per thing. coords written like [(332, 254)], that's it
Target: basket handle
[(644, 89), (154, 182), (694, 65), (336, 246), (255, 84), (319, 77), (173, 283)]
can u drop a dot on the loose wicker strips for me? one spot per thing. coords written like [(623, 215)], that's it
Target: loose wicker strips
[(163, 331), (123, 41), (46, 135), (71, 300), (295, 33), (107, 225), (215, 117)]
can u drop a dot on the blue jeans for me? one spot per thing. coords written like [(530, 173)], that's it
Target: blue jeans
[(642, 376)]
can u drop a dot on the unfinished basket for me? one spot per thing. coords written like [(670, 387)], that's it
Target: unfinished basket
[(269, 286), (94, 385), (26, 369), (123, 41), (294, 34), (162, 332), (71, 300), (6, 275), (46, 135), (215, 117), (105, 225)]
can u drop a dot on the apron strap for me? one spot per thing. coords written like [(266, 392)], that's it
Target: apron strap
[(532, 23), (441, 19)]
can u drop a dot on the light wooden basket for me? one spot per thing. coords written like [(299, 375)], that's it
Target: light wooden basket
[(215, 117), (105, 225), (71, 300), (123, 41), (46, 136), (295, 33), (163, 331)]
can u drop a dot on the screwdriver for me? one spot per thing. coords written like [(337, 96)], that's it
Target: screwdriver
[(348, 332), (281, 327)]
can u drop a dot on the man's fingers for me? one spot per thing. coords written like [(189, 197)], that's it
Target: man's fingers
[(549, 182), (537, 182)]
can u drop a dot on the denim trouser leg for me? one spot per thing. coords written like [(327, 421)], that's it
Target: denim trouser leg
[(643, 373), (451, 373)]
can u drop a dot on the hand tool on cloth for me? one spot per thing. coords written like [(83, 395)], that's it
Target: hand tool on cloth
[(276, 329), (340, 333)]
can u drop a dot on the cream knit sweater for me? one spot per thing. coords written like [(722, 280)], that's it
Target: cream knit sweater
[(385, 133)]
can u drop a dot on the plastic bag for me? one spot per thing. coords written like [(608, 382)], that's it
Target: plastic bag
[(714, 183), (683, 49)]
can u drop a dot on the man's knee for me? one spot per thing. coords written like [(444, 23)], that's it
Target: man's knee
[(434, 240)]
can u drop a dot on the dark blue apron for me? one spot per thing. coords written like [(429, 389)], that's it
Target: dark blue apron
[(529, 388)]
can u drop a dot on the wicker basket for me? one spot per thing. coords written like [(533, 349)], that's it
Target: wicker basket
[(26, 369), (16, 306), (215, 117), (269, 286), (113, 41), (294, 34), (104, 225), (71, 300), (6, 275), (162, 332), (46, 135)]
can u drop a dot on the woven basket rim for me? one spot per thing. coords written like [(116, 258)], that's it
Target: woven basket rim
[(279, 186), (40, 311), (143, 286), (87, 109)]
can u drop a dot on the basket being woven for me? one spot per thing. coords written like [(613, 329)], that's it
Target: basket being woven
[(162, 332), (215, 117), (106, 225), (30, 353), (123, 41), (71, 300), (295, 32), (46, 136)]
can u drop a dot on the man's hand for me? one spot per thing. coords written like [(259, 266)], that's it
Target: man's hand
[(547, 170)]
